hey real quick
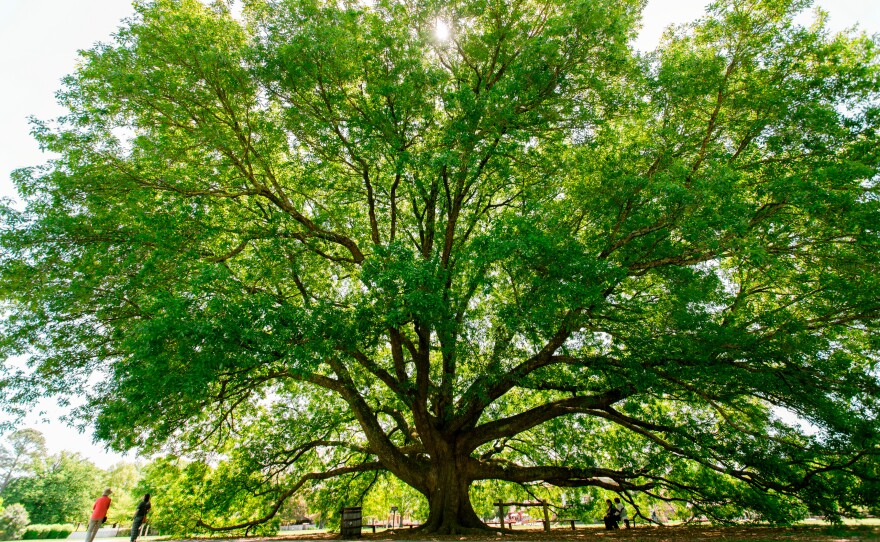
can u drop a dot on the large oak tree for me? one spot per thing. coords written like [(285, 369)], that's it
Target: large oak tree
[(522, 252)]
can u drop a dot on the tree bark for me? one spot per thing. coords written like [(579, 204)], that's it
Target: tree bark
[(450, 510)]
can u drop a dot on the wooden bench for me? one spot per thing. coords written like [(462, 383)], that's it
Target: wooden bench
[(409, 525)]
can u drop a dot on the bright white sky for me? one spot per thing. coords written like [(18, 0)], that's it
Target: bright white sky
[(39, 40)]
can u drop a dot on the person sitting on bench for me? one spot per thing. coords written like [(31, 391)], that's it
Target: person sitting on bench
[(621, 511), (611, 516)]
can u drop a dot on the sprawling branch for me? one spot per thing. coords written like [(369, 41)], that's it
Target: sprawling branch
[(363, 467), (389, 454), (612, 480), (508, 427), (489, 387)]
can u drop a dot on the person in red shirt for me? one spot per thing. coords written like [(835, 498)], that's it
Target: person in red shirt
[(99, 514)]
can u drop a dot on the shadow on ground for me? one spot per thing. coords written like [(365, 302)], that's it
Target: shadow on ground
[(646, 534)]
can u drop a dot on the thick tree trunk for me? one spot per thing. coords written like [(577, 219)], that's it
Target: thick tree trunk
[(450, 505)]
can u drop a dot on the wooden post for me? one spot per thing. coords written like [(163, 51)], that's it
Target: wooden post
[(546, 516), (501, 514)]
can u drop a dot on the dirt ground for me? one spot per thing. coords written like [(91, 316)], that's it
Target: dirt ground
[(646, 534)]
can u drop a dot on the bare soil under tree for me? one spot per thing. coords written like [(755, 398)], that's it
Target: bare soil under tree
[(648, 534)]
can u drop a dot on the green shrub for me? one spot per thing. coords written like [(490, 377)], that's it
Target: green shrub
[(47, 532)]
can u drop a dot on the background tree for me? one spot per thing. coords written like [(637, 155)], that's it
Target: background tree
[(61, 489), (23, 447), (295, 510), (123, 479), (521, 253)]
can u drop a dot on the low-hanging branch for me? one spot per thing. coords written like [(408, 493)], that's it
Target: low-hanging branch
[(285, 495)]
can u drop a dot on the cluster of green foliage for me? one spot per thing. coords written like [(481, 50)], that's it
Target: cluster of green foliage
[(188, 493), (325, 244), (40, 532)]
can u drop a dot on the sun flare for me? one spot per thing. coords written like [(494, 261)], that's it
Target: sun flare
[(441, 30)]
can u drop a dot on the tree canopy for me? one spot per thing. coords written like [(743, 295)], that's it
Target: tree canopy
[(327, 242)]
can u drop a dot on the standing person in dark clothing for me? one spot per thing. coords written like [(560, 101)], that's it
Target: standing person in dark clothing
[(139, 516)]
